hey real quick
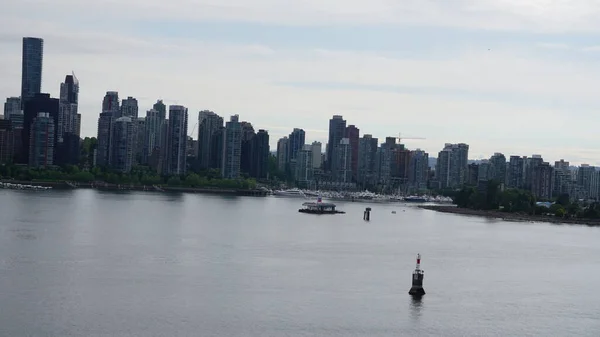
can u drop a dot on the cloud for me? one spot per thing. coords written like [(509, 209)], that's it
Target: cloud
[(538, 15), (591, 49), (512, 98), (550, 45)]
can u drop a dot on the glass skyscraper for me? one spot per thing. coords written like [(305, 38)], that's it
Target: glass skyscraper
[(31, 72)]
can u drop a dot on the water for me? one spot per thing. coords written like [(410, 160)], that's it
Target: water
[(90, 263)]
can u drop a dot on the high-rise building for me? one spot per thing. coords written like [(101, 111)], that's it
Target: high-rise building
[(152, 134), (563, 182), (384, 161), (401, 165), (529, 165), (161, 109), (39, 103), (31, 71), (367, 151), (452, 165), (296, 142), (473, 174), (68, 106), (208, 124), (497, 168), (232, 149), (122, 144), (67, 143), (343, 173), (129, 107), (41, 142), (418, 169), (7, 139), (514, 173), (317, 155), (217, 149), (282, 153), (246, 154), (353, 134), (12, 106), (337, 131), (483, 174), (304, 167), (110, 112), (260, 155), (587, 178), (177, 140), (111, 104), (542, 181), (139, 129)]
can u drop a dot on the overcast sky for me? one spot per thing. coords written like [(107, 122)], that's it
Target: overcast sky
[(512, 76)]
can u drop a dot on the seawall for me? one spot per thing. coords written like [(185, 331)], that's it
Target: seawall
[(510, 216)]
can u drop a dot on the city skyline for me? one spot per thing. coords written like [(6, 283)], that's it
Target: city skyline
[(504, 79)]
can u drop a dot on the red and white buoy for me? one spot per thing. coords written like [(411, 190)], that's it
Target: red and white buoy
[(417, 280)]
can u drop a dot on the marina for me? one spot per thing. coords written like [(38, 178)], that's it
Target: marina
[(363, 196), (12, 186)]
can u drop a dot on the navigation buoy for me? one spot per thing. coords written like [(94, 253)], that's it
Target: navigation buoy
[(367, 214), (417, 280)]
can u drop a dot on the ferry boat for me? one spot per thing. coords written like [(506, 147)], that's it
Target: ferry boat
[(319, 207), (291, 193)]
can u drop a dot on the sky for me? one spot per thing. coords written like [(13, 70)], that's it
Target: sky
[(513, 76)]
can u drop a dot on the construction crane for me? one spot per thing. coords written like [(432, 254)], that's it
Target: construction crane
[(193, 129), (415, 138)]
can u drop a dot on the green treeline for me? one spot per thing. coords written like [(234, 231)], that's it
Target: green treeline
[(138, 176), (521, 201)]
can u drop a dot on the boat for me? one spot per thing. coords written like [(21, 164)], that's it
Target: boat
[(291, 193), (319, 207), (415, 199)]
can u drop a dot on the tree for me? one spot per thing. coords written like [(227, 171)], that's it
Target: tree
[(192, 180), (174, 181), (563, 199), (558, 210)]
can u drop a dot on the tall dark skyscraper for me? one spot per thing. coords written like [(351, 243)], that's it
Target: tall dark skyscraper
[(42, 141), (110, 112), (161, 108), (209, 125), (353, 134), (67, 148), (260, 155), (337, 131), (246, 156), (232, 149), (297, 140), (39, 103), (177, 140), (129, 107), (122, 144), (31, 71)]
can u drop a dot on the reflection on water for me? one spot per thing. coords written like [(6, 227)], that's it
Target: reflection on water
[(416, 305)]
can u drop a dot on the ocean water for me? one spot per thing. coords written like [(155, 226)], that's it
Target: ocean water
[(92, 263)]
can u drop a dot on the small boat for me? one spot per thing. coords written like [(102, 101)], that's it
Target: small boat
[(319, 208), (415, 199), (292, 193)]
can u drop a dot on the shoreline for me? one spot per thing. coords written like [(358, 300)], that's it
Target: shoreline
[(510, 216), (148, 188)]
